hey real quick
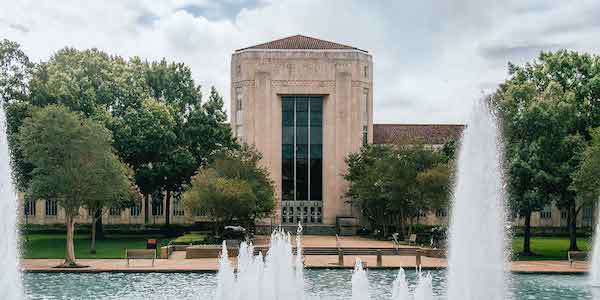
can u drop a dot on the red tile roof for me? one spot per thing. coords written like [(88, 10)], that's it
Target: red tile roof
[(301, 42), (431, 134)]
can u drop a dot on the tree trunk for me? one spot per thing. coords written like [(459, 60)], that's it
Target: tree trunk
[(70, 247), (99, 227), (168, 209), (527, 235), (573, 228), (146, 202), (93, 245)]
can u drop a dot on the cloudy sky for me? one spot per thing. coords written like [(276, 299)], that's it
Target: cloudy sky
[(432, 58)]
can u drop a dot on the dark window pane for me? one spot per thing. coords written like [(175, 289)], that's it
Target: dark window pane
[(301, 179), (316, 135), (302, 135), (316, 179), (288, 135), (288, 103), (301, 104), (316, 118), (316, 104), (287, 179)]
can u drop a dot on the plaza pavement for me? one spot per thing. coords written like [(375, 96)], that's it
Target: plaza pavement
[(178, 263)]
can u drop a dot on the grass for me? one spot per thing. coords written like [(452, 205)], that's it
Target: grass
[(547, 248), (52, 245), (191, 237)]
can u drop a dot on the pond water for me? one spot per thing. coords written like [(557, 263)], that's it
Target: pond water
[(321, 284)]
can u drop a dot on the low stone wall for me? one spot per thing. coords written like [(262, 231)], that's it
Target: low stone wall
[(208, 251), (165, 251), (435, 253)]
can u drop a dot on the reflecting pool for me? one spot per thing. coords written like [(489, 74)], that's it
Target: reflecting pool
[(321, 284)]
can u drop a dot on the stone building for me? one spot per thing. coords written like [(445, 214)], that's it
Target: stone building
[(305, 104)]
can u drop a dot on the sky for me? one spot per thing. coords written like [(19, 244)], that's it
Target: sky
[(432, 59)]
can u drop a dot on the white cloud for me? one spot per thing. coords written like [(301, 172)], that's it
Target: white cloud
[(432, 58)]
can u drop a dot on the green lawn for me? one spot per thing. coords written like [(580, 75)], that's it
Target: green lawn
[(191, 237), (547, 248), (53, 245)]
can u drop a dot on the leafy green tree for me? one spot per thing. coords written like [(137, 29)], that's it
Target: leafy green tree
[(126, 196), (144, 137), (546, 108), (234, 187), (73, 163), (15, 70), (394, 184), (586, 180), (133, 98)]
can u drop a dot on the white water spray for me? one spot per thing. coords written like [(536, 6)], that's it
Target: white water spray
[(278, 275), (360, 282), (477, 261), (10, 276), (594, 272)]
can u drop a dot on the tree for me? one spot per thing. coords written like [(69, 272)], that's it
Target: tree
[(586, 180), (161, 127), (546, 108), (73, 163), (394, 184), (15, 70), (144, 137), (126, 195), (234, 187)]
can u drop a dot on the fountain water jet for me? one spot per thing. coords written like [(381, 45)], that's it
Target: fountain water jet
[(594, 272), (278, 275), (360, 282), (10, 277), (477, 259)]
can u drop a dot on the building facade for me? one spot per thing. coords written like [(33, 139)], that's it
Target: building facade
[(305, 104)]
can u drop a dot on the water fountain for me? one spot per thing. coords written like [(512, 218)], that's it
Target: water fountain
[(595, 259), (10, 277), (277, 275), (477, 258)]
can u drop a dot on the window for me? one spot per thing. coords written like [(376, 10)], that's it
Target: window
[(546, 213), (29, 207), (588, 214), (302, 157), (197, 212), (366, 71), (441, 213), (114, 211), (239, 114), (135, 210), (563, 214), (157, 208), (177, 207), (365, 117), (51, 207)]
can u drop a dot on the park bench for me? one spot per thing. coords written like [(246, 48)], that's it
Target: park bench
[(574, 256), (140, 254)]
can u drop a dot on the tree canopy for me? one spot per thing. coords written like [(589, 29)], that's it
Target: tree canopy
[(73, 163), (233, 188), (161, 127), (396, 184), (546, 108)]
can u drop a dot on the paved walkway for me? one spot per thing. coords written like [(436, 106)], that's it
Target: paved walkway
[(178, 263)]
